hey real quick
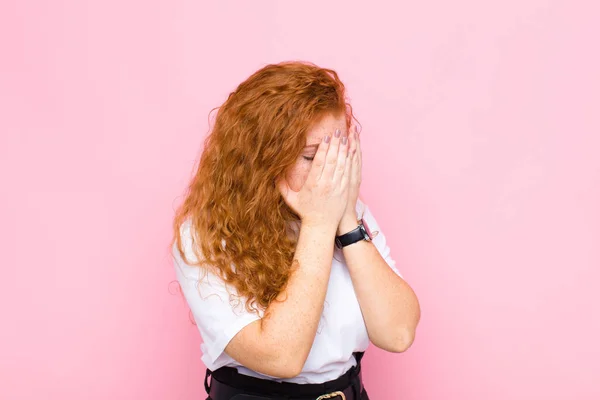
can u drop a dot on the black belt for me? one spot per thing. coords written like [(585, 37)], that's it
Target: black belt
[(228, 384)]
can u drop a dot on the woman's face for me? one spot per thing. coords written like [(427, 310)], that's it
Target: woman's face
[(326, 126)]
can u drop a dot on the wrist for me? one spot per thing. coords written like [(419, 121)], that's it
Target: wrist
[(348, 222), (318, 226)]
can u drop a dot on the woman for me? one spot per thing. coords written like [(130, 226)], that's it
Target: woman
[(284, 268)]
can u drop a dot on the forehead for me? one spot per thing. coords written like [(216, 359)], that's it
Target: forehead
[(326, 126)]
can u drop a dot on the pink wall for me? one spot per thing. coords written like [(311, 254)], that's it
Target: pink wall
[(481, 148)]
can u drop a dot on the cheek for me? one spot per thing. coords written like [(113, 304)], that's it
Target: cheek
[(297, 176)]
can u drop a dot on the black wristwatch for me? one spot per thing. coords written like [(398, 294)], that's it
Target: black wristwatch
[(362, 232)]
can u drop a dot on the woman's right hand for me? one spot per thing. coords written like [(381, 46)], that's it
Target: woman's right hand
[(323, 197)]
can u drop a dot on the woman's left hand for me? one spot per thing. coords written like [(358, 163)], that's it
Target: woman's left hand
[(349, 218)]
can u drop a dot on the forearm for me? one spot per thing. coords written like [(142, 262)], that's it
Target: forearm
[(291, 322), (389, 305)]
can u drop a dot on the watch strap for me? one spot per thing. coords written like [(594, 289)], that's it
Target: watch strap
[(351, 237)]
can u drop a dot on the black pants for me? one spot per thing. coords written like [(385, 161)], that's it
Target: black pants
[(363, 396), (228, 384)]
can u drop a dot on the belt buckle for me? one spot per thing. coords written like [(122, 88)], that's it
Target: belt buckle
[(332, 395)]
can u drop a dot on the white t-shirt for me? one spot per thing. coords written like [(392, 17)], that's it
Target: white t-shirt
[(340, 333)]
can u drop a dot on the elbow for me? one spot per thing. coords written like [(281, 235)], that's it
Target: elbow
[(289, 371), (287, 366), (405, 334), (403, 339), (280, 359)]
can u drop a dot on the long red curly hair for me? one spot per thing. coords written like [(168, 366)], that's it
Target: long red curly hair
[(258, 135)]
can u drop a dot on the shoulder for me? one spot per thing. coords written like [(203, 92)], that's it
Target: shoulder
[(190, 269), (186, 258), (208, 295)]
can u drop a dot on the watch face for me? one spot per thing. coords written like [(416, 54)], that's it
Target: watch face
[(366, 230)]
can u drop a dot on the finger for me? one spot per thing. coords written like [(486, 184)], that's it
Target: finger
[(352, 140), (332, 156), (358, 150), (355, 160), (347, 176), (316, 169), (342, 160)]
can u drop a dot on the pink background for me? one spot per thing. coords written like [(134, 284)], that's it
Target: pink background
[(481, 146)]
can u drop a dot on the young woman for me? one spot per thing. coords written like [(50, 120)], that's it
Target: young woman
[(285, 269)]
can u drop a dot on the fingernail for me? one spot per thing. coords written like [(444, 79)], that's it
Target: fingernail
[(344, 140), (338, 133), (327, 138)]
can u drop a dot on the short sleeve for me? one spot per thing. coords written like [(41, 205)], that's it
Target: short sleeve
[(379, 238), (215, 306)]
